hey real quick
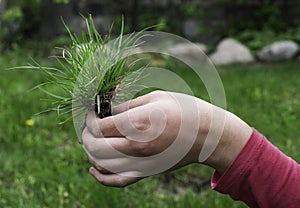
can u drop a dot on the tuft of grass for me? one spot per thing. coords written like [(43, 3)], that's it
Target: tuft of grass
[(89, 71)]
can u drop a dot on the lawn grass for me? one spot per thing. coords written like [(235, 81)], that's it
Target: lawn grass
[(44, 165)]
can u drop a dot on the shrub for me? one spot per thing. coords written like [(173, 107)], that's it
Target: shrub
[(257, 39)]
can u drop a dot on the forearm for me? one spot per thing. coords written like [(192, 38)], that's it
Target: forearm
[(261, 176)]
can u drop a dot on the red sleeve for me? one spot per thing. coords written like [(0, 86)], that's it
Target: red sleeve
[(261, 176)]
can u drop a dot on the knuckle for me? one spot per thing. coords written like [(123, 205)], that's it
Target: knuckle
[(132, 103), (141, 148), (140, 123), (101, 180), (94, 127), (91, 148), (93, 161), (121, 183), (85, 142), (157, 93), (96, 130)]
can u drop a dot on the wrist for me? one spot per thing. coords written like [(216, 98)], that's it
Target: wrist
[(233, 138)]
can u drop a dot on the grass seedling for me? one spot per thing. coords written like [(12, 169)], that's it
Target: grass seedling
[(90, 72)]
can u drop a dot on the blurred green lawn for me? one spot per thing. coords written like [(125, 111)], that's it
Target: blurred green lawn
[(44, 165)]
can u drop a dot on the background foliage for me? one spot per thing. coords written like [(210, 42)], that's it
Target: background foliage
[(253, 22), (19, 20), (259, 23)]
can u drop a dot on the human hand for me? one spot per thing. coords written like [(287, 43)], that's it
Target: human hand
[(151, 134)]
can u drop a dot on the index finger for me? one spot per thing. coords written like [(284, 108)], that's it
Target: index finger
[(128, 123), (104, 127)]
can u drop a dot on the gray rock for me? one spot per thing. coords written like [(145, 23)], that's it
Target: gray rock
[(190, 51), (281, 50), (230, 51)]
